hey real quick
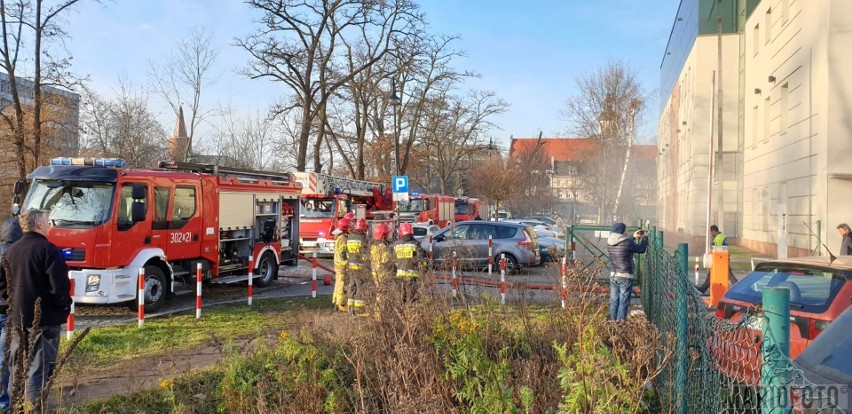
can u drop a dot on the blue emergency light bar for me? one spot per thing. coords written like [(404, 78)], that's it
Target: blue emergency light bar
[(92, 162), (415, 193)]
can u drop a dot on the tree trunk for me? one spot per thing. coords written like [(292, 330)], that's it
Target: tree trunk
[(39, 30)]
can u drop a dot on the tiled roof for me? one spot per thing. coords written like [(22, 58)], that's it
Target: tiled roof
[(572, 149)]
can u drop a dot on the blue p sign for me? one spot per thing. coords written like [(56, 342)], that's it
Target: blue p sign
[(400, 184)]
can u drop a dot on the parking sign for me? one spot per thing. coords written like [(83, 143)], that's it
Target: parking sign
[(399, 185)]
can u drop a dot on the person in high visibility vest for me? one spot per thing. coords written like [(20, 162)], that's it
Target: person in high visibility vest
[(380, 262), (717, 239), (410, 260), (358, 273), (341, 263)]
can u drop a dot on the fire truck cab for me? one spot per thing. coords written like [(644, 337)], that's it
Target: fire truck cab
[(326, 198), (467, 208), (427, 208), (110, 222)]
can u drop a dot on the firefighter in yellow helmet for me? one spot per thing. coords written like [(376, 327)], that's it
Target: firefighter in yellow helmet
[(380, 262), (410, 260), (341, 263), (358, 274)]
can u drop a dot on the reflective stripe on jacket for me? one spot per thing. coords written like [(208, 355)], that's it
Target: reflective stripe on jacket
[(354, 246), (406, 257)]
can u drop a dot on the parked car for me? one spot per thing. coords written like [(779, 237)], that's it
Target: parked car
[(548, 230), (422, 230), (551, 249), (469, 239), (547, 220), (826, 366), (820, 291)]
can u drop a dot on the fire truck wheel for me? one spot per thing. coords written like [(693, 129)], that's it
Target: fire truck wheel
[(155, 289), (267, 270)]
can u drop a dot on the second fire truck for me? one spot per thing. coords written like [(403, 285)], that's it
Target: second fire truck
[(326, 198)]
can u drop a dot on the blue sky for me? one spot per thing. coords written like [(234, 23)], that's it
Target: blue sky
[(529, 53)]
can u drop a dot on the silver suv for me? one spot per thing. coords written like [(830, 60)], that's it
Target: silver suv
[(469, 240)]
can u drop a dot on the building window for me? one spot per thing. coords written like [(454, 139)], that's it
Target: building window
[(756, 41), (766, 119), (755, 131), (768, 28), (784, 108)]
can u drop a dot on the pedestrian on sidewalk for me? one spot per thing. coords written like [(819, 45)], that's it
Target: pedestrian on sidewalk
[(717, 238), (621, 249), (846, 234), (38, 272)]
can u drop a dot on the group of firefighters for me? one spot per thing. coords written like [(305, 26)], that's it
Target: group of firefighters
[(376, 267)]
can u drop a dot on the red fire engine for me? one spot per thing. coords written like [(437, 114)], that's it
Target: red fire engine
[(111, 221), (427, 208), (470, 209), (326, 198)]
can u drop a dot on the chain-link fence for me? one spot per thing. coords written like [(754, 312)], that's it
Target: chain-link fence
[(722, 365)]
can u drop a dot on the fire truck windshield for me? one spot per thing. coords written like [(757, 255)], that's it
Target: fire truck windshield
[(318, 208), (72, 204), (413, 205)]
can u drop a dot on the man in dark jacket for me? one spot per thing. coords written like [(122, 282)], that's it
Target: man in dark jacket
[(621, 249), (10, 232), (38, 271), (846, 245)]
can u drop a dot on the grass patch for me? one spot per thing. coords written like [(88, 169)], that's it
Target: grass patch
[(108, 346)]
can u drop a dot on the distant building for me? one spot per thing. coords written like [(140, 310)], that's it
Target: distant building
[(568, 163), (66, 104)]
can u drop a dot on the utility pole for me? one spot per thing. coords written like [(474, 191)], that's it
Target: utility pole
[(720, 129)]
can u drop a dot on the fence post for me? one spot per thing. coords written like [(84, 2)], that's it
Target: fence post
[(70, 322), (198, 291), (455, 281), (140, 297), (502, 278), (314, 275), (682, 328), (564, 277), (819, 238), (660, 239), (653, 233), (490, 256), (573, 248), (250, 279), (776, 349)]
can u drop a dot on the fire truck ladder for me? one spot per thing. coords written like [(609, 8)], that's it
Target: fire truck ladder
[(326, 184), (220, 170)]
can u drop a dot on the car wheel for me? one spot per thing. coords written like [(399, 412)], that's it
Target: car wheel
[(511, 263), (267, 269)]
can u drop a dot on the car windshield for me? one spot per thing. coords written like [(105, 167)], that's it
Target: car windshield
[(811, 289), (318, 208), (415, 205), (72, 204), (420, 231)]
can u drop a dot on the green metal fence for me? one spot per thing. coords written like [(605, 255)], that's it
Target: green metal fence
[(719, 365)]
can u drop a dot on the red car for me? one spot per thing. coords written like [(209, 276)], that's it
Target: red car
[(820, 291)]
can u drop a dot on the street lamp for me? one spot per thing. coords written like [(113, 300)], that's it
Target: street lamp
[(491, 148), (395, 102)]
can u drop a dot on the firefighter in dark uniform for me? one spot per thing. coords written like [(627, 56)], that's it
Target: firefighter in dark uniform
[(410, 261), (358, 272), (381, 265), (341, 264)]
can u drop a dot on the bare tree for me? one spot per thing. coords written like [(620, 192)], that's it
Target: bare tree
[(250, 141), (123, 127), (454, 129), (298, 45), (496, 179), (28, 27), (606, 101), (184, 76)]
